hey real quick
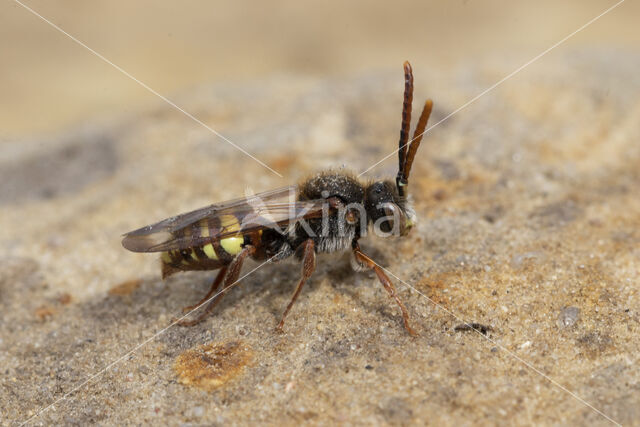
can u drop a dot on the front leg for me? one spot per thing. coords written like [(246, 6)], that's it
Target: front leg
[(308, 265), (367, 262)]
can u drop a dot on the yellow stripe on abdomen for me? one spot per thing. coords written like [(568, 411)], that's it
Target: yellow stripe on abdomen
[(232, 245), (209, 252), (229, 223)]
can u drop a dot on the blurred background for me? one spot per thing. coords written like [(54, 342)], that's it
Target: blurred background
[(49, 83)]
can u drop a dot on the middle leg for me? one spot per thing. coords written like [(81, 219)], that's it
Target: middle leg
[(308, 265)]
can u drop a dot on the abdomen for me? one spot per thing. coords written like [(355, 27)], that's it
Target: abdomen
[(211, 256)]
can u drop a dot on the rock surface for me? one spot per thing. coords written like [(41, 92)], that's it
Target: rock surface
[(529, 224)]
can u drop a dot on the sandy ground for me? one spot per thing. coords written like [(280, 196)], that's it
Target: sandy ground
[(527, 198), (529, 224)]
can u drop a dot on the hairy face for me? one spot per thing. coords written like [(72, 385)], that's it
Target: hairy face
[(385, 208)]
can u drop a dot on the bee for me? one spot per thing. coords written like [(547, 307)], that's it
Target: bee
[(327, 213)]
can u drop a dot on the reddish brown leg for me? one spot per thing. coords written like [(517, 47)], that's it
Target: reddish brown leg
[(308, 265), (231, 278), (214, 287), (388, 285)]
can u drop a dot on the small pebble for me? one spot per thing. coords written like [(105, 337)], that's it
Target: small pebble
[(569, 316), (242, 330), (197, 411)]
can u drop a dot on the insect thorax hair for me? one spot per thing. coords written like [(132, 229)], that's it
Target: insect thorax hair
[(329, 233), (331, 183)]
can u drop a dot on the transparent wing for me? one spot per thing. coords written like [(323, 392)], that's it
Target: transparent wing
[(275, 209)]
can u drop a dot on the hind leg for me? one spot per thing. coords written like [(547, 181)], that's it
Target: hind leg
[(214, 287), (230, 279)]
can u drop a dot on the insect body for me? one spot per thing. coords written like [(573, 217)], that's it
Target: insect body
[(327, 213)]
